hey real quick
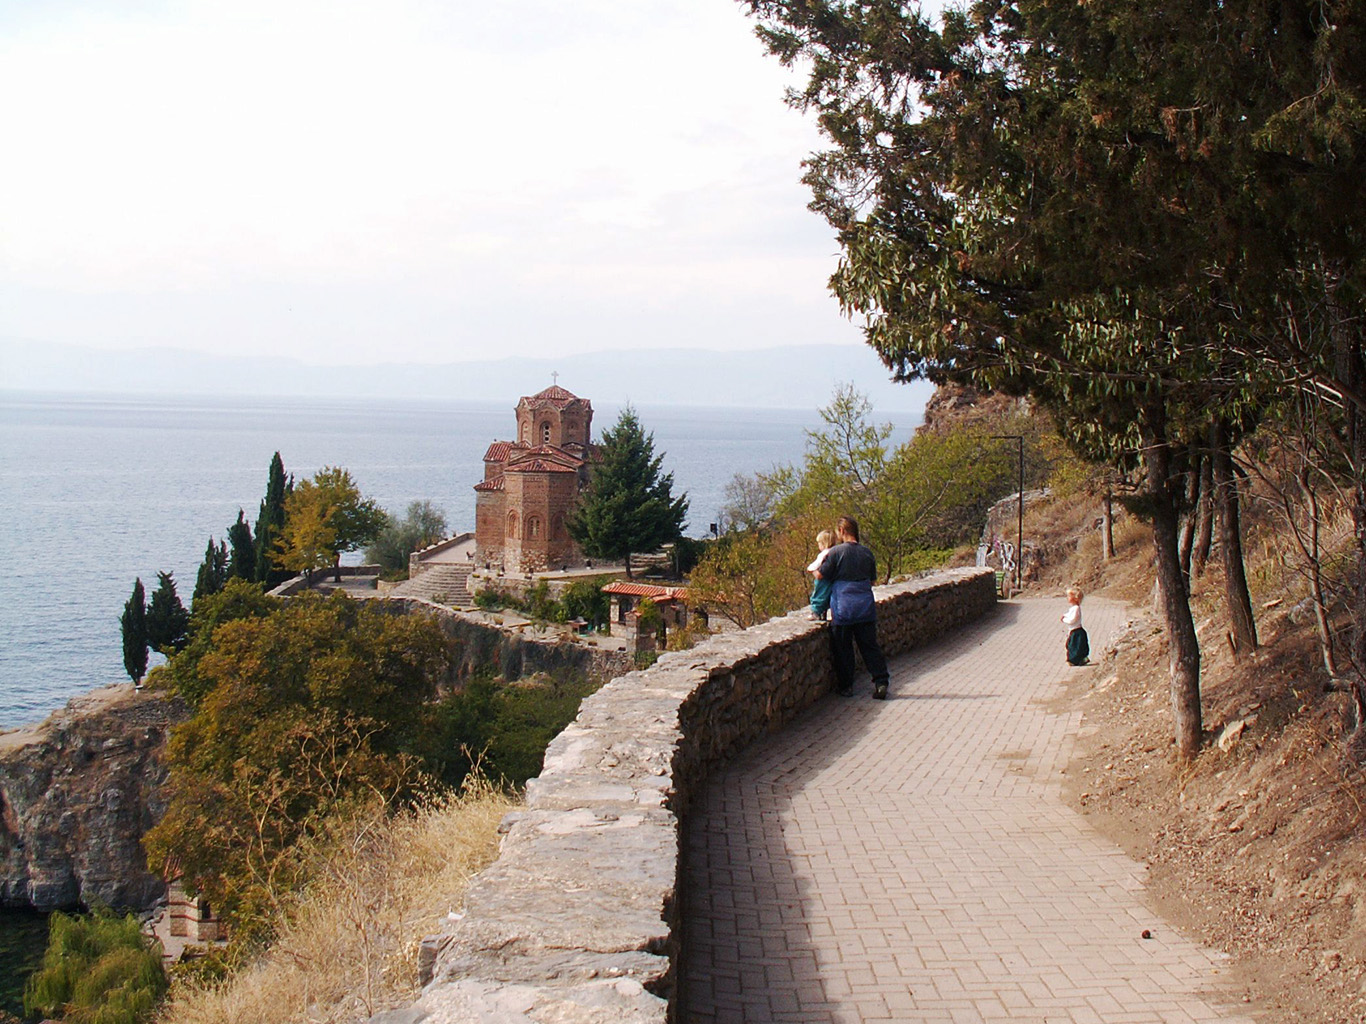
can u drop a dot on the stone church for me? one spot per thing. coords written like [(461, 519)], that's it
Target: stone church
[(531, 484)]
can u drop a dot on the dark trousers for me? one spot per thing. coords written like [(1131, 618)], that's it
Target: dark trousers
[(842, 640)]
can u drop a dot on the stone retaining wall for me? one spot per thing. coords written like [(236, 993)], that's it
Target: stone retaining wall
[(577, 919), (512, 655)]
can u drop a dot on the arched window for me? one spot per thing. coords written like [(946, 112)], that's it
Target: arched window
[(533, 527), (545, 432), (557, 527), (526, 431), (512, 524)]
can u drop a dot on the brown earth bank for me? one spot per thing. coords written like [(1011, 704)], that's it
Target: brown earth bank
[(1258, 846)]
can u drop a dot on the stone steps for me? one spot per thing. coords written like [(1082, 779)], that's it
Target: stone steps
[(443, 583)]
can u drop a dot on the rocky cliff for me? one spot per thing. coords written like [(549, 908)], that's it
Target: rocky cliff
[(76, 795)]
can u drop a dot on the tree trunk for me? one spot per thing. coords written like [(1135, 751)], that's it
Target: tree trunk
[(1190, 502), (1244, 631), (1204, 524), (1313, 557), (1107, 525), (628, 565), (1182, 645)]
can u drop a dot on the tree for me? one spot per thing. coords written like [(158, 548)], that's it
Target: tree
[(629, 505), (133, 625), (300, 712), (237, 600), (242, 557), (98, 969), (424, 524), (1083, 203), (270, 522), (213, 571), (324, 517), (167, 618)]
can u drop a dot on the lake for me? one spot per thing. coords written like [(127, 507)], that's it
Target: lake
[(98, 490)]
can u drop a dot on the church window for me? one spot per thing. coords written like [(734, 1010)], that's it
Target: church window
[(512, 524), (533, 527), (545, 433), (557, 527)]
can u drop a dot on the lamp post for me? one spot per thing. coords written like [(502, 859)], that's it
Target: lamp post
[(1019, 539)]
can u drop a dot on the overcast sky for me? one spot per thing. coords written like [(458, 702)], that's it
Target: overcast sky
[(412, 180)]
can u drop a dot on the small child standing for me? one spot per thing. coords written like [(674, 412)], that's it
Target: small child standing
[(1078, 645), (820, 593)]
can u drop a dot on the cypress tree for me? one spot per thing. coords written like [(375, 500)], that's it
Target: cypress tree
[(167, 619), (213, 571), (270, 523), (133, 624), (242, 558)]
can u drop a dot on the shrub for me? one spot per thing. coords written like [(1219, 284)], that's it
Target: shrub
[(98, 969)]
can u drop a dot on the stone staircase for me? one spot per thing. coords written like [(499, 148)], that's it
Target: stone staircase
[(443, 583)]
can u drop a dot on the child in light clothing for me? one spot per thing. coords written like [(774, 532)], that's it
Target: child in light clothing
[(820, 593), (1078, 645)]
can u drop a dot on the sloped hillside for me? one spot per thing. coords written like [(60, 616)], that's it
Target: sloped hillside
[(1259, 846)]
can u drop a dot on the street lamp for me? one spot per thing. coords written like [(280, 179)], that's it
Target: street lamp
[(1019, 540)]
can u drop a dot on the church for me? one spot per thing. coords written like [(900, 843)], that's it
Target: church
[(531, 484)]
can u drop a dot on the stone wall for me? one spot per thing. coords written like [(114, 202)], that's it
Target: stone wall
[(577, 919), (510, 655)]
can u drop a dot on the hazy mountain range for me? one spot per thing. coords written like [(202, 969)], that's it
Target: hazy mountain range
[(792, 377)]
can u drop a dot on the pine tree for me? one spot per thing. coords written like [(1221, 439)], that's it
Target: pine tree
[(270, 523), (242, 558), (133, 625), (628, 505), (213, 571), (167, 619)]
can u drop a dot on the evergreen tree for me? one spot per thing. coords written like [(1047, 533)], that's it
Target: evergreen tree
[(270, 523), (167, 619), (628, 505), (213, 571), (133, 624), (242, 560)]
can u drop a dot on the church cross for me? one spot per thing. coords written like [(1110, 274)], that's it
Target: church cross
[(555, 376)]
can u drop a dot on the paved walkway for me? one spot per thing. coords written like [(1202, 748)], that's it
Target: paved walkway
[(913, 860)]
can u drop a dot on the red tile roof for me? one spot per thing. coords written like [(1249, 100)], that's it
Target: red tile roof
[(496, 484), (553, 395), (647, 590), (498, 451), (535, 465)]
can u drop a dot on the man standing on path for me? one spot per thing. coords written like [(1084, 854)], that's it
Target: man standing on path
[(853, 613)]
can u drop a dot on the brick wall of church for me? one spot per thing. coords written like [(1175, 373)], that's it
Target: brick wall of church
[(490, 513)]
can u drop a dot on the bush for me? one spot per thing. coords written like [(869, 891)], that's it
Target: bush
[(98, 969)]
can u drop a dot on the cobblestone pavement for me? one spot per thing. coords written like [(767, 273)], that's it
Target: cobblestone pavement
[(913, 860)]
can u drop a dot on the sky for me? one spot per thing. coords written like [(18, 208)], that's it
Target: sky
[(407, 181)]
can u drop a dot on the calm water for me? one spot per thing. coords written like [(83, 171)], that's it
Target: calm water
[(23, 937), (95, 491)]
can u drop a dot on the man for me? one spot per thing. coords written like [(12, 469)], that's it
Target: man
[(851, 569)]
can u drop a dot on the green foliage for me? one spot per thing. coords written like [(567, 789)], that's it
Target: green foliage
[(237, 600), (270, 523), (628, 505), (504, 727), (213, 571), (644, 659), (98, 969), (324, 517), (300, 712), (167, 619), (133, 626), (242, 550), (423, 524), (584, 599)]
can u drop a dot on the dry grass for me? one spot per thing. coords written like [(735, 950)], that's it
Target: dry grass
[(350, 949)]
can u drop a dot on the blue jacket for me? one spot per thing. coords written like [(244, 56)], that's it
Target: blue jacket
[(851, 569)]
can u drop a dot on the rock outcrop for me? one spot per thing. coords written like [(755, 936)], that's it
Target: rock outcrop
[(77, 793)]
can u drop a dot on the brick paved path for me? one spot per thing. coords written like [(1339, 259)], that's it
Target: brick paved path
[(913, 860)]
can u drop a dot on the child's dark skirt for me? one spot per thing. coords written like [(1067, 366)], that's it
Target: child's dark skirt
[(1078, 647)]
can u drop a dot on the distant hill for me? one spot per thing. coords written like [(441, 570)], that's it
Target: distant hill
[(793, 377)]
